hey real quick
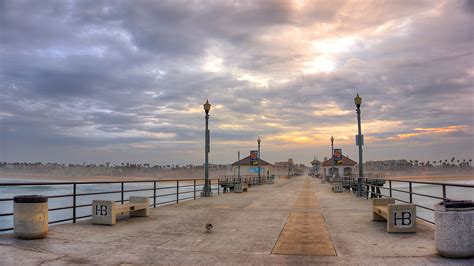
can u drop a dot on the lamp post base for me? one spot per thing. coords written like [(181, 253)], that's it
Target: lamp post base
[(359, 187), (205, 193)]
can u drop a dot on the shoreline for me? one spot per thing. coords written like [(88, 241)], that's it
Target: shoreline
[(434, 178), (51, 178)]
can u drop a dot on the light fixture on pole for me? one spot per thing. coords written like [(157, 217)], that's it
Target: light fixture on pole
[(359, 142), (258, 161), (206, 191)]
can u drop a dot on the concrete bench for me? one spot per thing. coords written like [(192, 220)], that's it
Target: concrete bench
[(401, 218), (241, 187), (337, 188), (106, 211)]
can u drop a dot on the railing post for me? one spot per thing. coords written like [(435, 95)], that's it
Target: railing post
[(194, 188), (390, 187), (444, 192), (154, 194), (74, 203), (366, 191), (177, 191), (121, 194), (218, 191), (410, 189)]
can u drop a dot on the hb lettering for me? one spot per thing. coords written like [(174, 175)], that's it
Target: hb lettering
[(405, 219), (101, 210)]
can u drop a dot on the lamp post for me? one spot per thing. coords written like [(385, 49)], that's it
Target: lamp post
[(206, 191), (258, 161), (238, 164), (359, 142), (332, 156)]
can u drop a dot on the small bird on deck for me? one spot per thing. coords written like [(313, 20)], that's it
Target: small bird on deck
[(209, 228)]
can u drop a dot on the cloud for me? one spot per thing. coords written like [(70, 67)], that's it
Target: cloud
[(429, 131), (119, 77)]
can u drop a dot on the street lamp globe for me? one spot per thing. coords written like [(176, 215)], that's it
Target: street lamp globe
[(207, 106), (258, 140), (358, 100), (332, 139)]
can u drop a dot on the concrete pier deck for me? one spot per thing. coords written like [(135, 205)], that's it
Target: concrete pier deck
[(296, 221)]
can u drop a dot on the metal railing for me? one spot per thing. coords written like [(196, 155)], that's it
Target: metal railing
[(422, 194), (173, 191), (249, 179)]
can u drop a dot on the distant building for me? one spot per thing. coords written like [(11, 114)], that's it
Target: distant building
[(346, 168), (284, 168), (316, 165), (247, 168)]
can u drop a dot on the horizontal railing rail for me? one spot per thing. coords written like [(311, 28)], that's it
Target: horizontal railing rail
[(173, 190), (440, 190)]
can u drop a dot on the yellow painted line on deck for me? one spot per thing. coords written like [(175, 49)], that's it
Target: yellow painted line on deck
[(305, 233)]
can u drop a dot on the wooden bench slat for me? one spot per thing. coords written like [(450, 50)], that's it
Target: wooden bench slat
[(382, 211)]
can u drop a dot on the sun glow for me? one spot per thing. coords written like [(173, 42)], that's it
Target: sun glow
[(320, 64), (334, 45)]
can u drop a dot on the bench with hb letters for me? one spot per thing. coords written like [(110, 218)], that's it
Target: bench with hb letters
[(106, 211), (401, 218), (241, 187), (337, 188)]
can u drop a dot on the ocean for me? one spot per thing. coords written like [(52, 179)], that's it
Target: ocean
[(166, 194), (453, 193)]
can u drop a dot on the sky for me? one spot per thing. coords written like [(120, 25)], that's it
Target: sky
[(125, 81)]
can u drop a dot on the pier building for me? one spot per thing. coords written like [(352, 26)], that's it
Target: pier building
[(345, 168), (250, 168)]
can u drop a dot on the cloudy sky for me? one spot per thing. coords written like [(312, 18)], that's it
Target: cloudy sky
[(124, 81)]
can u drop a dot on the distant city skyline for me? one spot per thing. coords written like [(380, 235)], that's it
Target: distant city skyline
[(125, 81)]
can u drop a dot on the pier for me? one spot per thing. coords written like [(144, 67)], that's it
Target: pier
[(294, 221)]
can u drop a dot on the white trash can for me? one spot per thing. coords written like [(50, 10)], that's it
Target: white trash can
[(30, 216), (454, 229)]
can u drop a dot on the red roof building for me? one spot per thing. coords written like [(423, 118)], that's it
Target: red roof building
[(249, 169), (246, 161), (345, 161), (346, 168)]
